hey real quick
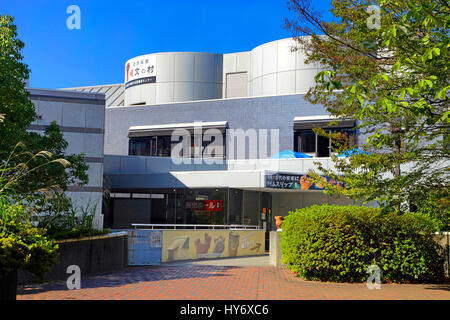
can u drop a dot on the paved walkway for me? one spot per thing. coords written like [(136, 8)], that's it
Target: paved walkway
[(224, 279)]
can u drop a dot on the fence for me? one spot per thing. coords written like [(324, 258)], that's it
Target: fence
[(195, 226)]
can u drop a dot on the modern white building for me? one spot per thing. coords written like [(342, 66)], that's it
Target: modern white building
[(253, 98)]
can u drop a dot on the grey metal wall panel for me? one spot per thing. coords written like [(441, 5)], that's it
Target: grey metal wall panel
[(236, 85)]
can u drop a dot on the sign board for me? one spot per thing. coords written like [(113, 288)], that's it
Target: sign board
[(140, 70), (144, 247), (304, 182), (213, 205), (208, 205)]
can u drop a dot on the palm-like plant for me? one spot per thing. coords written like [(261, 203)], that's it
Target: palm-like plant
[(12, 174)]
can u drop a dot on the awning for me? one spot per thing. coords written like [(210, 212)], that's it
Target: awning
[(167, 129), (304, 123)]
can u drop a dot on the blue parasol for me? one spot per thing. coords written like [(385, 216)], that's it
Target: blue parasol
[(289, 154)]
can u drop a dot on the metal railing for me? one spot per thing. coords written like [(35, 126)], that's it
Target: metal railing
[(195, 226)]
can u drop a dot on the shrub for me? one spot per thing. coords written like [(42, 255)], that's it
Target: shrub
[(23, 246), (339, 243), (72, 223)]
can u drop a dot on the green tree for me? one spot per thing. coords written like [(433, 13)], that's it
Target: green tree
[(390, 71), (17, 109), (19, 113)]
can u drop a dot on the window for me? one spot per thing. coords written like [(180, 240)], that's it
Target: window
[(251, 208), (348, 136), (161, 146), (323, 146), (306, 141), (164, 146), (156, 140), (150, 146), (140, 147)]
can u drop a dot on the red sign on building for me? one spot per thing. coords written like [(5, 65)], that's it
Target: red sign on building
[(213, 205)]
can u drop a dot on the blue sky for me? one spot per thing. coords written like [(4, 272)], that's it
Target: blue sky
[(114, 31)]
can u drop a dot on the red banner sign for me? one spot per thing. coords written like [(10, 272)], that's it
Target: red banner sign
[(213, 205)]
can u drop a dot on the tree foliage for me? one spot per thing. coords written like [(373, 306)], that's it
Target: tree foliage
[(18, 114), (17, 109), (393, 78)]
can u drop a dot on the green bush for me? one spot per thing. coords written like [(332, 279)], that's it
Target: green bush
[(23, 246), (339, 243), (72, 223)]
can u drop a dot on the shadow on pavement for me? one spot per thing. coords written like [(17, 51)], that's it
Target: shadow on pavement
[(444, 287), (133, 275)]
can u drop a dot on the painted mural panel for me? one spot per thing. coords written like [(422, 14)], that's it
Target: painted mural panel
[(200, 244)]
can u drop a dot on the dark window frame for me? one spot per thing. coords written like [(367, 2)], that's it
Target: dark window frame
[(154, 142), (318, 153)]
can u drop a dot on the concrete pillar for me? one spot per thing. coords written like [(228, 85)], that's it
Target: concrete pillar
[(275, 249), (443, 239)]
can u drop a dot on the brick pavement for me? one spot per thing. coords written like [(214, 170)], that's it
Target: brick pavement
[(203, 282)]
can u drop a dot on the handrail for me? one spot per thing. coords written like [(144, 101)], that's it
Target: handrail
[(195, 226)]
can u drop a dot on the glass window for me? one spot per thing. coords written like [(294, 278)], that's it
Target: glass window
[(251, 208), (150, 146), (323, 146), (129, 211), (235, 203), (139, 147), (153, 145), (161, 146), (158, 210), (202, 206), (216, 148), (348, 138), (305, 141)]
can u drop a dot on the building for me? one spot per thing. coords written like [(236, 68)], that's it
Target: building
[(180, 106), (81, 118)]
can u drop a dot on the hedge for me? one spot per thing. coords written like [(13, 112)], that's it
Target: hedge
[(339, 243)]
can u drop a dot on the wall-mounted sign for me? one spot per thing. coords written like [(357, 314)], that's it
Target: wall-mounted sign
[(144, 247), (208, 205), (213, 205), (297, 182), (140, 71)]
